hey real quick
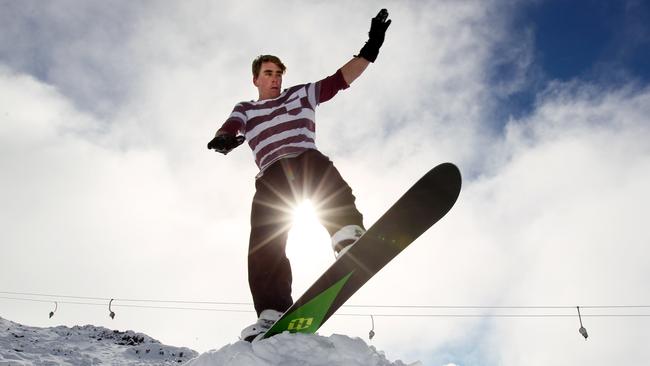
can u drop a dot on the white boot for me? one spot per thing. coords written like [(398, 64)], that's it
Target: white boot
[(343, 239), (265, 322)]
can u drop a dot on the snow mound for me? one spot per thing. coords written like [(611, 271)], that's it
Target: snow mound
[(86, 345), (91, 345), (297, 350)]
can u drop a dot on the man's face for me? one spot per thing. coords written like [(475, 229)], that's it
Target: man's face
[(269, 81)]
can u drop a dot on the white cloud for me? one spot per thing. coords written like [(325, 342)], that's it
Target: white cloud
[(565, 212)]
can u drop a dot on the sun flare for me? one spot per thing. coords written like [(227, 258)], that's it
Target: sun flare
[(305, 225), (305, 214), (308, 246)]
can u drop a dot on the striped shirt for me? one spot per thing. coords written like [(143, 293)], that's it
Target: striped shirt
[(285, 126)]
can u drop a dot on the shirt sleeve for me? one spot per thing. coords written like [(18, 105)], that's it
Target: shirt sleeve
[(236, 122), (327, 88)]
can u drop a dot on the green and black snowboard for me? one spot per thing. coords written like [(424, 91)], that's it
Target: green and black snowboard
[(428, 200)]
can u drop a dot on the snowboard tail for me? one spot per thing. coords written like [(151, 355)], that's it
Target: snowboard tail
[(426, 202)]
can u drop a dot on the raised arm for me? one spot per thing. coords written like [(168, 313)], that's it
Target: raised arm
[(368, 53), (354, 68)]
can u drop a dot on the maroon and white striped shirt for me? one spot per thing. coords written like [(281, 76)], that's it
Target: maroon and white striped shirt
[(285, 126)]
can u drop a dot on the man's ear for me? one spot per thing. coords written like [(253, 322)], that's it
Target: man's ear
[(255, 80)]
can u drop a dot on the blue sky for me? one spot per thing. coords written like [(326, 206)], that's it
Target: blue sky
[(597, 41), (106, 109), (583, 39)]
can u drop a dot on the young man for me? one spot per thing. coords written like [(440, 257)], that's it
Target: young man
[(280, 128)]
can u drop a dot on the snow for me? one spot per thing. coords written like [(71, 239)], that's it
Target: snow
[(92, 345), (297, 350), (83, 345)]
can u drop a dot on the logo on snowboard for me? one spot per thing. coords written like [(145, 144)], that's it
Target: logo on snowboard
[(300, 324)]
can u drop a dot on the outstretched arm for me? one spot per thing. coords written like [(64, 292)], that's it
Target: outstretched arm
[(355, 67)]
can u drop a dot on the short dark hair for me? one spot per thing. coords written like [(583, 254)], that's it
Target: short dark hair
[(259, 60)]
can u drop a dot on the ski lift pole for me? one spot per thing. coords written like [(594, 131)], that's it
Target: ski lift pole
[(56, 306), (582, 329), (111, 313)]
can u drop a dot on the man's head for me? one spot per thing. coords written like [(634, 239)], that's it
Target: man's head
[(267, 76)]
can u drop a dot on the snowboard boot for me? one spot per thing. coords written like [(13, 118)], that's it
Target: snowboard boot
[(265, 322), (343, 239)]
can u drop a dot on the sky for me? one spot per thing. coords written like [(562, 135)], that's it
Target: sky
[(108, 190)]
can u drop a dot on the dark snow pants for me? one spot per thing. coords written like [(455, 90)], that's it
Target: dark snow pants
[(283, 186)]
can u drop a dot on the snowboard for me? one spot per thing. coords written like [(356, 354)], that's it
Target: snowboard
[(426, 202)]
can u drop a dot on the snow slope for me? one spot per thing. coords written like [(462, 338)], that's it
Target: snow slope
[(91, 345), (87, 345)]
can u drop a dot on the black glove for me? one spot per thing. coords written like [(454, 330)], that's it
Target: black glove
[(225, 143), (376, 35)]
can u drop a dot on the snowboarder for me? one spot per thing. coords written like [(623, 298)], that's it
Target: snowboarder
[(280, 129)]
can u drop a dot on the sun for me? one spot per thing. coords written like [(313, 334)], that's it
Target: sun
[(306, 228), (308, 247)]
